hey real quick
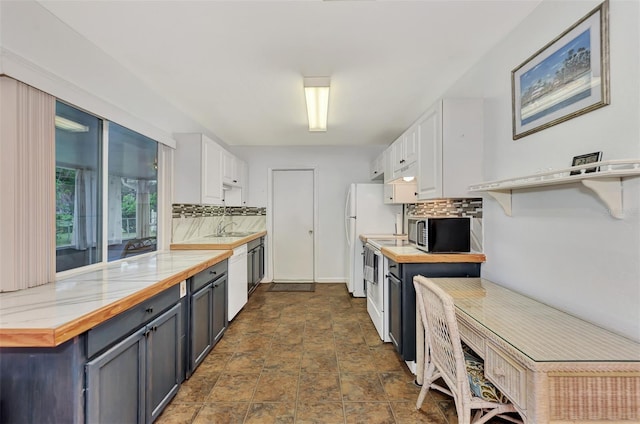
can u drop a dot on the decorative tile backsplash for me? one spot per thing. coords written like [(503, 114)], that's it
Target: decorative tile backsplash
[(190, 210), (453, 207), (195, 221), (447, 207)]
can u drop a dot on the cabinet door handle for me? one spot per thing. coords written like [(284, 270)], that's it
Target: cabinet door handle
[(149, 310), (213, 272)]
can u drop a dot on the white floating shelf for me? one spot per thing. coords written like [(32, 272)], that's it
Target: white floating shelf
[(605, 183)]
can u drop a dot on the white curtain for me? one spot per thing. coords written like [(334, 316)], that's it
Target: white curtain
[(114, 214), (143, 209), (85, 210), (27, 200)]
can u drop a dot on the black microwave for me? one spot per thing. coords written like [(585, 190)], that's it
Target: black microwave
[(440, 235)]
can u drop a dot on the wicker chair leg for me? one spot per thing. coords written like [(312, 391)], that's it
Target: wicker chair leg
[(423, 394), (426, 383), (495, 412)]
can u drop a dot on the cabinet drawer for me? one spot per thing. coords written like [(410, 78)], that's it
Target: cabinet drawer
[(506, 374), (123, 324), (212, 273), (473, 339)]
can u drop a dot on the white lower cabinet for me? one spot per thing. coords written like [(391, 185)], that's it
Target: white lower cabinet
[(237, 289)]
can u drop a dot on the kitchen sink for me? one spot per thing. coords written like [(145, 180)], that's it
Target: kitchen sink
[(239, 233), (233, 234)]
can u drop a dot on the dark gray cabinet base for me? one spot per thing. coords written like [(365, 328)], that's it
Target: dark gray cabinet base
[(402, 298), (255, 263), (115, 383), (123, 371), (43, 385), (135, 379), (208, 312)]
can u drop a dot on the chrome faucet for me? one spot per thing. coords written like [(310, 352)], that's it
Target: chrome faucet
[(220, 229)]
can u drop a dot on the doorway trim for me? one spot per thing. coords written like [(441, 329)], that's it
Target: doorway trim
[(269, 255)]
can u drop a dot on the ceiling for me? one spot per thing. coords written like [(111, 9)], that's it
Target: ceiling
[(236, 67)]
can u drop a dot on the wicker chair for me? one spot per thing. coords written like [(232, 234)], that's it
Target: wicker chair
[(445, 359)]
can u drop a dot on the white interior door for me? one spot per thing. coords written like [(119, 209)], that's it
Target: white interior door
[(293, 229)]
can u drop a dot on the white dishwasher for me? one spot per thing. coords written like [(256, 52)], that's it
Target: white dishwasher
[(237, 290)]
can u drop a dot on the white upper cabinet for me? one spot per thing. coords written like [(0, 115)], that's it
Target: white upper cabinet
[(400, 193), (232, 169), (430, 165), (198, 170), (450, 138), (388, 164), (235, 195), (405, 154), (377, 167), (410, 151)]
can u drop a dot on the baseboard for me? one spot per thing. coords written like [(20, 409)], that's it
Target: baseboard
[(331, 280), (320, 281)]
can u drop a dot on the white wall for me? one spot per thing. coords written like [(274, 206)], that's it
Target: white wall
[(337, 168), (561, 246)]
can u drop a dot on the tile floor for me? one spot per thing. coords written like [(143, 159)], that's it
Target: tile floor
[(311, 357)]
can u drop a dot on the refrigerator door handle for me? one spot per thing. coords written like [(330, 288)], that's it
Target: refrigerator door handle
[(347, 218)]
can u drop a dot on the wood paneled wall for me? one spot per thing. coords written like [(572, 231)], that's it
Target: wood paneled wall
[(27, 188)]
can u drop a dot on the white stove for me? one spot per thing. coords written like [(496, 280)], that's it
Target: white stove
[(377, 286)]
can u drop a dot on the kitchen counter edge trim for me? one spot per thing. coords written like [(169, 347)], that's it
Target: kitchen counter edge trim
[(425, 258), (52, 337)]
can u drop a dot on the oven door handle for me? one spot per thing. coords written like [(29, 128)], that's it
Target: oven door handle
[(395, 280)]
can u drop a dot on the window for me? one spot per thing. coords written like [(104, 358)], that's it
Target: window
[(132, 193), (78, 188), (86, 232)]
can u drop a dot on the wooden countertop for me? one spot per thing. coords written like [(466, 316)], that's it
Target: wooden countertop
[(51, 314), (216, 243), (411, 255)]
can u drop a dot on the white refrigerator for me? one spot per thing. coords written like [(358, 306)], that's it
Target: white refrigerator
[(365, 213)]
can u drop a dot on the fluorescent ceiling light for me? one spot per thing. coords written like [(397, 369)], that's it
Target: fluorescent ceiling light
[(69, 125), (316, 92), (408, 179)]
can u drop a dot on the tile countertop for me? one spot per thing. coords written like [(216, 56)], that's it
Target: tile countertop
[(211, 242), (411, 255), (49, 315)]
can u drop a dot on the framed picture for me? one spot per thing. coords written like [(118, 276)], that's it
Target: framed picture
[(566, 78), (585, 159)]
